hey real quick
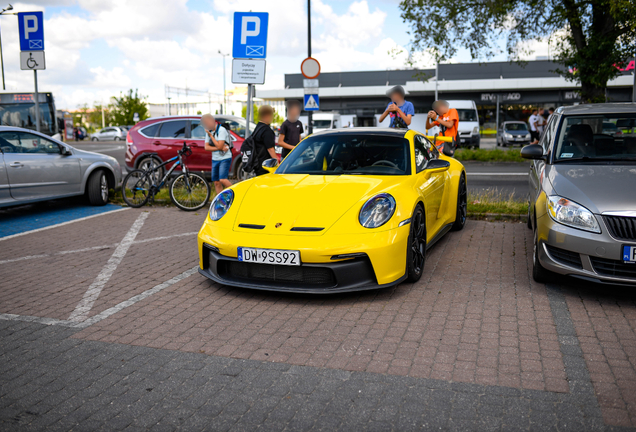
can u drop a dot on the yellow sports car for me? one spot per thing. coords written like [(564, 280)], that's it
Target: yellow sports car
[(346, 210)]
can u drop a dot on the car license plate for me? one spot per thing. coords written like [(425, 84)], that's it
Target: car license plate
[(269, 256), (463, 140), (629, 254)]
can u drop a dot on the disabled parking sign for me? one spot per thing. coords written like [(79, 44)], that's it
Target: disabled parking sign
[(250, 35)]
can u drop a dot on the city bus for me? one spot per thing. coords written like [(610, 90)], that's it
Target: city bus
[(18, 109)]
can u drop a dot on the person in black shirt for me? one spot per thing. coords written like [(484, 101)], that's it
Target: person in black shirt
[(264, 137), (291, 128)]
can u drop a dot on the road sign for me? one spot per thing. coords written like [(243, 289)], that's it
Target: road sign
[(31, 26), (250, 35), (312, 103), (32, 60), (310, 68), (246, 71)]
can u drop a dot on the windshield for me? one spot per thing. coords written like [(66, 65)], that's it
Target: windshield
[(467, 115), (336, 154), (602, 137), (516, 127), (322, 124)]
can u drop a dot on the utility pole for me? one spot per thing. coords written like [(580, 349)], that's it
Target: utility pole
[(224, 107), (310, 114), (169, 113), (103, 116), (8, 8)]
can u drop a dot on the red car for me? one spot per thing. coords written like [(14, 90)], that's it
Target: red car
[(158, 139)]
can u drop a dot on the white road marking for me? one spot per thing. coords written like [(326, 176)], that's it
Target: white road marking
[(498, 174), (85, 305), (105, 314), (139, 297), (62, 224), (29, 257)]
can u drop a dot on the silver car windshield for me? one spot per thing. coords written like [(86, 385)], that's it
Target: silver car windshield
[(602, 137)]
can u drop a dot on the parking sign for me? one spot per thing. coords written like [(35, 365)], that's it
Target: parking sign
[(250, 35), (31, 27)]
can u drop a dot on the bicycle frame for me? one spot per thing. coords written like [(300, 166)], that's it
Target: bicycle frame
[(177, 158)]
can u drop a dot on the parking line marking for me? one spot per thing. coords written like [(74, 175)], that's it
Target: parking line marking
[(92, 293), (62, 224), (29, 257), (139, 297), (105, 314), (497, 174)]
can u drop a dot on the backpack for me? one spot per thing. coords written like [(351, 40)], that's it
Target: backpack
[(227, 127), (248, 151)]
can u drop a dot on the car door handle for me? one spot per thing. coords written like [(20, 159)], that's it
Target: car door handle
[(16, 164), (157, 142)]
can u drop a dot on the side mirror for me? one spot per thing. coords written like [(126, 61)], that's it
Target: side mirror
[(437, 166), (270, 165), (65, 151), (532, 151)]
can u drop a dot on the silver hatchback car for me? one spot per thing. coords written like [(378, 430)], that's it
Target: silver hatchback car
[(583, 194), (35, 167)]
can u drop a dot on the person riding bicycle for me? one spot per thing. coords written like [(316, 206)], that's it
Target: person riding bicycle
[(400, 110)]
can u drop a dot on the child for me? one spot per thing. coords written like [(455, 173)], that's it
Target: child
[(216, 142), (398, 109), (291, 129), (446, 118)]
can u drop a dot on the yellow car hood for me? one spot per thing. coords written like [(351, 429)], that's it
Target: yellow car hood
[(282, 202)]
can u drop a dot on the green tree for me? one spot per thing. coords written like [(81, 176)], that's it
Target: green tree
[(125, 107), (254, 113), (592, 37)]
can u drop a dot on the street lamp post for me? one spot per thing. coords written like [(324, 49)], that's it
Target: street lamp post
[(8, 8), (224, 108)]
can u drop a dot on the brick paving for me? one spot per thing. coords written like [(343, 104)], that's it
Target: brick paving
[(475, 325)]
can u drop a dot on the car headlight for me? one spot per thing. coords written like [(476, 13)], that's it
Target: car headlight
[(221, 204), (377, 211), (569, 213), (476, 130), (509, 136)]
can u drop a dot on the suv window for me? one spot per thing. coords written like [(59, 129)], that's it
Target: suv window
[(173, 129), (150, 131), (196, 130), (24, 142)]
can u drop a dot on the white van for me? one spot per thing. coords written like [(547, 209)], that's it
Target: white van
[(468, 122), (322, 121)]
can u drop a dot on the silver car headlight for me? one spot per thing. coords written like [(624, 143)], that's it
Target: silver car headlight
[(509, 136), (476, 130), (569, 213), (221, 204), (377, 211)]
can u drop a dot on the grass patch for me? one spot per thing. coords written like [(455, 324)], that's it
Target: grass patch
[(492, 201), (494, 155)]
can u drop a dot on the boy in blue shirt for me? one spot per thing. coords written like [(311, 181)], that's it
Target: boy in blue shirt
[(398, 109)]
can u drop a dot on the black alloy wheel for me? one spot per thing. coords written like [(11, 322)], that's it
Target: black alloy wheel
[(462, 205), (416, 248)]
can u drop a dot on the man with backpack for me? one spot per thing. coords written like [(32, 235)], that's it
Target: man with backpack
[(217, 141), (260, 145)]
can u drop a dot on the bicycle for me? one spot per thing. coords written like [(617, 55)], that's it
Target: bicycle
[(188, 191)]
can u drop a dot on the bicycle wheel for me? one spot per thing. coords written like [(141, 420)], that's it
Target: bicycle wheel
[(136, 188), (189, 193)]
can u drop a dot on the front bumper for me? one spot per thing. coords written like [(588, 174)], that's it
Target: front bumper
[(585, 255), (468, 140), (521, 142), (383, 265)]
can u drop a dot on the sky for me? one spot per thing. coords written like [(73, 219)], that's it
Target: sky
[(96, 49)]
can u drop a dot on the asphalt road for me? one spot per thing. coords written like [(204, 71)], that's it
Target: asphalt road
[(504, 178)]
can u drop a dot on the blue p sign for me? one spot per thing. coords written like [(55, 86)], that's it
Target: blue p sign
[(31, 26), (250, 35)]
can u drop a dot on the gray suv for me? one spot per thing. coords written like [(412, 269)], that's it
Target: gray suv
[(36, 167)]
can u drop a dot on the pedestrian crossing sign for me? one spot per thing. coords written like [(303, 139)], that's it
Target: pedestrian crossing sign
[(312, 103)]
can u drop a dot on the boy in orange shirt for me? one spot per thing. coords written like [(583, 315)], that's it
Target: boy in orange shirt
[(446, 118)]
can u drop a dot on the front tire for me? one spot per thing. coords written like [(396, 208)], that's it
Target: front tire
[(462, 205), (190, 193), (97, 188), (539, 273), (416, 247)]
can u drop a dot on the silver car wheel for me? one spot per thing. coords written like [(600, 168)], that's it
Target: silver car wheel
[(103, 184)]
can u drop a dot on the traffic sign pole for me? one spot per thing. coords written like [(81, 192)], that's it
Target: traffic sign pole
[(310, 115), (248, 111), (37, 102)]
